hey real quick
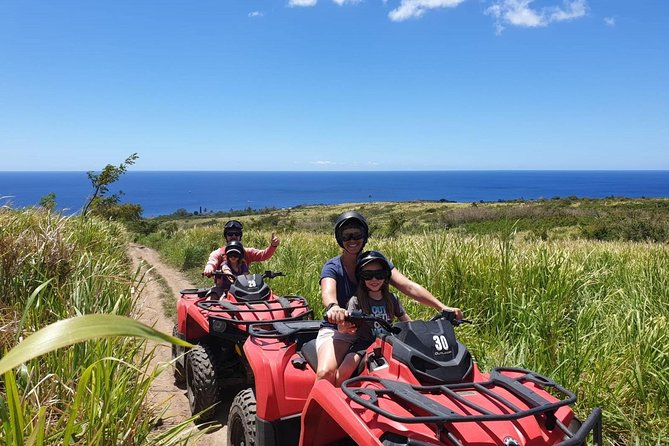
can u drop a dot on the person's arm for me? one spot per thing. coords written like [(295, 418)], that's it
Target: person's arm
[(214, 261), (418, 293), (257, 255), (228, 274), (400, 312), (334, 314)]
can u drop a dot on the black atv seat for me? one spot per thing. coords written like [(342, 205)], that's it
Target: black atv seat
[(310, 354)]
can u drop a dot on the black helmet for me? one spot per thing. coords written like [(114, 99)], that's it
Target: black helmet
[(232, 225), (347, 219), (236, 247), (368, 257)]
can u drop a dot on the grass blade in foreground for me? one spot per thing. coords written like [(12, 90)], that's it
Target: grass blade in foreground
[(78, 329)]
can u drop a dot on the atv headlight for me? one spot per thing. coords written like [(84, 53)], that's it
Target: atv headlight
[(219, 326)]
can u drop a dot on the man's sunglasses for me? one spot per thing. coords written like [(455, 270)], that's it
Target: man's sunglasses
[(378, 274), (354, 236), (234, 234)]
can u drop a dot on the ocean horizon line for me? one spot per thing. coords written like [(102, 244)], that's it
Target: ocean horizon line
[(339, 171)]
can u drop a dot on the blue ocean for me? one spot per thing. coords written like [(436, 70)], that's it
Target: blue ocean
[(162, 193)]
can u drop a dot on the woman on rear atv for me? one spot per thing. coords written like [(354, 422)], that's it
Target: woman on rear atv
[(374, 298), (233, 231), (338, 284)]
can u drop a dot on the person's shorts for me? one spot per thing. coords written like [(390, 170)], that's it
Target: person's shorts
[(330, 334)]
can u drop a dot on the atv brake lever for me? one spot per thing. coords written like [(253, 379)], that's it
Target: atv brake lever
[(461, 321)]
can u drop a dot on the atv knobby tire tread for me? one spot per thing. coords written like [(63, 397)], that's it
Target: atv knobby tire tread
[(204, 380), (242, 419), (179, 371)]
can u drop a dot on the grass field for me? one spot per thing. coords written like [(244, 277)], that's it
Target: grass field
[(576, 290), (593, 315)]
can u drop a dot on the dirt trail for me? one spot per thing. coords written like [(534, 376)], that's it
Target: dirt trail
[(164, 391)]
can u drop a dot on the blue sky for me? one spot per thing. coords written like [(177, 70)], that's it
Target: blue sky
[(334, 84)]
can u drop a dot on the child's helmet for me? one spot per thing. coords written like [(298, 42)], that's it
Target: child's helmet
[(350, 219), (235, 247), (368, 257), (232, 225)]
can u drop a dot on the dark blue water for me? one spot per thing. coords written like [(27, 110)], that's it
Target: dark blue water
[(162, 193)]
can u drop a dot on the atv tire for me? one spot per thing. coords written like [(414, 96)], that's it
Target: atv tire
[(203, 380), (179, 371), (242, 419)]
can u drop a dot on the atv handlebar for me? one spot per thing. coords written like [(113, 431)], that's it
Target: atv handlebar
[(450, 317), (266, 275), (357, 317), (272, 274)]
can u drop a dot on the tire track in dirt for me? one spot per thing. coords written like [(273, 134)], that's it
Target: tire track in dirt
[(163, 391)]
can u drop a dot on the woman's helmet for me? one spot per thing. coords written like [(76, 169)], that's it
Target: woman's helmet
[(368, 257), (233, 226), (235, 247), (350, 219)]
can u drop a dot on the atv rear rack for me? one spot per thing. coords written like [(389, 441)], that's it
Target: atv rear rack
[(238, 309), (414, 398)]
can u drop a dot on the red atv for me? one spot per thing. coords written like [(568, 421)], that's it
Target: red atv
[(219, 328), (417, 386)]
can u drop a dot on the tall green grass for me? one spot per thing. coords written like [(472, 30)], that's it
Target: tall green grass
[(592, 315), (53, 268)]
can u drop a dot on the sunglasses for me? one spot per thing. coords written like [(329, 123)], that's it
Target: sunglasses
[(378, 274), (234, 234), (353, 236)]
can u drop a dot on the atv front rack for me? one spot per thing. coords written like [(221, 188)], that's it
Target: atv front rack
[(236, 310), (428, 411)]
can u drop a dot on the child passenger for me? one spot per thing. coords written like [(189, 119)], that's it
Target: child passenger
[(372, 298), (234, 264)]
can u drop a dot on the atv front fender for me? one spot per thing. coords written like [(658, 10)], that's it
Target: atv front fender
[(191, 321), (328, 418)]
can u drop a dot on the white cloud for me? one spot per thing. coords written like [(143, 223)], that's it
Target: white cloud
[(255, 14), (343, 2), (521, 13), (323, 163), (292, 3), (572, 10), (409, 9), (610, 21)]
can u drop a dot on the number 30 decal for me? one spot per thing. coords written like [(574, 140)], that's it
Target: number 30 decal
[(440, 342)]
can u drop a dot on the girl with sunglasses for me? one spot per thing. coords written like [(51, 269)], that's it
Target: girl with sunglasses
[(374, 298), (234, 264)]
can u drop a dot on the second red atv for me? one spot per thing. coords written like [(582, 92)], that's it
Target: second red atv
[(417, 386), (219, 328)]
